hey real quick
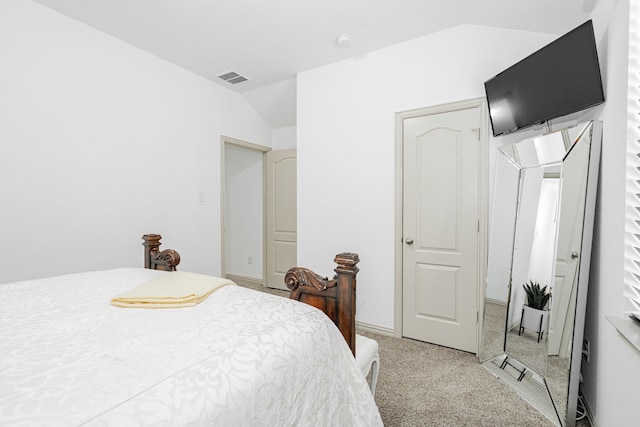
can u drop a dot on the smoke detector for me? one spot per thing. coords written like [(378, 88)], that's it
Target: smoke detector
[(343, 40)]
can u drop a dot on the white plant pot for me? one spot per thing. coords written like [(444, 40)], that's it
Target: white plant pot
[(534, 320)]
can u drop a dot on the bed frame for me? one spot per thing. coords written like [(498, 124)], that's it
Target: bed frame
[(336, 297), (154, 259)]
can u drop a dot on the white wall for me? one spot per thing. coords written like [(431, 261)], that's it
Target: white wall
[(284, 138), (346, 144), (529, 198), (613, 372), (244, 200), (102, 143)]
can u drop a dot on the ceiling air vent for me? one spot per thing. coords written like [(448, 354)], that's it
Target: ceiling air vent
[(232, 77)]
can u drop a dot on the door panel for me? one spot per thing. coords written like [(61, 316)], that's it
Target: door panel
[(436, 298), (437, 161), (440, 221), (281, 216)]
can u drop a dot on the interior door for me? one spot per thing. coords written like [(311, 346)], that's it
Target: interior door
[(440, 228), (564, 290), (280, 216)]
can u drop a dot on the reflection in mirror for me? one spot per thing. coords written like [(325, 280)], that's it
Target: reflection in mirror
[(526, 337), (541, 226), (500, 259), (565, 280)]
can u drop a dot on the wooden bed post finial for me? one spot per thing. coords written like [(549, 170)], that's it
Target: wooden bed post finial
[(156, 260), (347, 262), (151, 247)]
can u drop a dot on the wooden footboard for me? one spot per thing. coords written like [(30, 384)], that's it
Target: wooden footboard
[(155, 259), (337, 297)]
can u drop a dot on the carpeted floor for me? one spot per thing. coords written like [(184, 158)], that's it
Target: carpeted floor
[(422, 384)]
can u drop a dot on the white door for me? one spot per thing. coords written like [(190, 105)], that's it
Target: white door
[(440, 228), (563, 293), (280, 216)]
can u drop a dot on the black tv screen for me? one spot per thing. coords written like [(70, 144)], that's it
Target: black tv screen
[(559, 79)]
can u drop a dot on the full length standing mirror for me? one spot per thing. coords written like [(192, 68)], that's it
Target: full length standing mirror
[(540, 236)]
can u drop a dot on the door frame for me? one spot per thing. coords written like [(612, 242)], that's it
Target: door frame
[(483, 196), (224, 140)]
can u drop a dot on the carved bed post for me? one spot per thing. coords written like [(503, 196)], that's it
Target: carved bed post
[(336, 298), (156, 260), (151, 247), (346, 278)]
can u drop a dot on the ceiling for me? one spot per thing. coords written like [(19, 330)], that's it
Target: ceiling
[(270, 41)]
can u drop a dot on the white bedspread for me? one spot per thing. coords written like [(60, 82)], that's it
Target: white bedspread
[(240, 358)]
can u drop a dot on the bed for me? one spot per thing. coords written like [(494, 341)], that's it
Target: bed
[(239, 358)]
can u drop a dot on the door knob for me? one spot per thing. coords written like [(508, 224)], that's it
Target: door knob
[(574, 255), (409, 241)]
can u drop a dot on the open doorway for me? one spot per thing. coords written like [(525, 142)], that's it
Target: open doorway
[(259, 219), (242, 182)]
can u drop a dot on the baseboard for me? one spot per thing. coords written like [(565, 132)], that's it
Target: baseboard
[(367, 327), (238, 278), (590, 417)]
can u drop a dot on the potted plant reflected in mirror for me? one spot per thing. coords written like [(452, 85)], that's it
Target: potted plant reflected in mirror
[(535, 313)]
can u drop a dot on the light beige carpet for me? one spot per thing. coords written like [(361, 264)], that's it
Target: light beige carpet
[(422, 384)]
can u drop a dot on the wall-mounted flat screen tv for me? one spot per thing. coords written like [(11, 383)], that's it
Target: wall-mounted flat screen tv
[(559, 79)]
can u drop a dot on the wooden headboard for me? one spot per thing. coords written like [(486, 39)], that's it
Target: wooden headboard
[(337, 297), (154, 259)]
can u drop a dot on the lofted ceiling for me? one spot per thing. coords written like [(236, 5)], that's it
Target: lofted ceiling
[(270, 41)]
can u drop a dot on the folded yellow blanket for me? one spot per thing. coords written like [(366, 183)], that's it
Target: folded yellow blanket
[(171, 290)]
